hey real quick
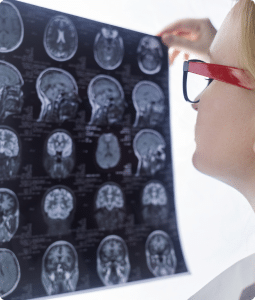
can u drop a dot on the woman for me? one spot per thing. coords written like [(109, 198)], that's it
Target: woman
[(225, 127)]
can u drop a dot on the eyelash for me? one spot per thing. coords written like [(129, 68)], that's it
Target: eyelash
[(209, 79)]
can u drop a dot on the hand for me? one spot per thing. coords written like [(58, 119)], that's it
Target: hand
[(192, 36)]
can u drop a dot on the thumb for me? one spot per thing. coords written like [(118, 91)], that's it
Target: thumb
[(178, 42)]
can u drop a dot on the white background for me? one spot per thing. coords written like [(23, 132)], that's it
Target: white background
[(216, 223)]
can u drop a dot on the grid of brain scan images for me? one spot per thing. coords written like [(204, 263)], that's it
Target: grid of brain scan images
[(86, 182)]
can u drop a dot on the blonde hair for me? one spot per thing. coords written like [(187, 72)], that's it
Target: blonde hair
[(247, 47)]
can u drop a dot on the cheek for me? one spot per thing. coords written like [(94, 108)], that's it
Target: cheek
[(225, 130)]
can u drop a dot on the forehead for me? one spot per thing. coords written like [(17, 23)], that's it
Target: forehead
[(227, 42)]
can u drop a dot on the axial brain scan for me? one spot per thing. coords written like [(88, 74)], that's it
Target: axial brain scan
[(59, 157), (110, 207), (58, 93), (160, 254), (106, 97), (9, 272), (60, 271), (58, 203), (108, 151), (113, 265), (149, 55), (148, 100), (60, 38), (9, 214), (11, 95), (108, 49), (149, 147), (154, 203), (11, 27), (9, 153)]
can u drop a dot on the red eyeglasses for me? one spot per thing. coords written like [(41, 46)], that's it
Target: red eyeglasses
[(231, 75)]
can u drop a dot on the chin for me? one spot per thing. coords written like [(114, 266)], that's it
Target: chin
[(195, 161), (211, 167), (203, 164)]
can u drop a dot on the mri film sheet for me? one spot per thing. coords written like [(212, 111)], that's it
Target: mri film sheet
[(86, 177)]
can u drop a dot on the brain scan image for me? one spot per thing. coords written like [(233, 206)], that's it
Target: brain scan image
[(58, 206), (110, 209), (148, 100), (60, 272), (149, 147), (108, 48), (59, 154), (154, 203), (9, 153), (108, 151), (58, 93), (11, 27), (9, 272), (11, 95), (149, 55), (106, 97), (160, 254), (60, 38), (9, 214), (113, 265)]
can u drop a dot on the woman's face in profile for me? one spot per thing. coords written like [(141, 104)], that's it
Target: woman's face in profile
[(225, 128)]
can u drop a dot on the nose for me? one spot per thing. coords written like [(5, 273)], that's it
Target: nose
[(195, 106)]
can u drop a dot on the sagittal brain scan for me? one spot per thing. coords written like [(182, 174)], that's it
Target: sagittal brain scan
[(9, 272), (9, 153), (58, 93), (110, 207), (9, 214), (149, 147), (106, 97), (149, 55), (58, 205), (108, 48), (113, 265), (154, 203), (149, 102), (59, 154), (60, 270), (108, 151), (11, 95), (11, 27), (60, 38), (160, 254)]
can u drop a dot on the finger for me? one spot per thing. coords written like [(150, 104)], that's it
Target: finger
[(173, 56), (181, 25), (192, 36), (179, 43), (186, 56)]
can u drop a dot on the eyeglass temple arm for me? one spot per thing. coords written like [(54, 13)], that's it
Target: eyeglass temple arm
[(232, 75)]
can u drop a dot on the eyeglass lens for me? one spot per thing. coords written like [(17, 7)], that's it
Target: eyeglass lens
[(195, 85)]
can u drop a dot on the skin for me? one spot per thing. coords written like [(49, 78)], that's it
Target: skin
[(225, 127), (189, 36)]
